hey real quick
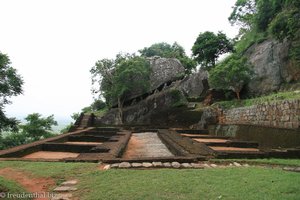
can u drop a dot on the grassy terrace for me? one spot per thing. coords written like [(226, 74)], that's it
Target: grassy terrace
[(263, 99), (218, 183)]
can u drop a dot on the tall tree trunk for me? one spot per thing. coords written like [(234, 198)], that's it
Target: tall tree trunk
[(120, 108), (238, 95)]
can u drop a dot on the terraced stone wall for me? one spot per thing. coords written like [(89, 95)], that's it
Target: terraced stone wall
[(281, 114)]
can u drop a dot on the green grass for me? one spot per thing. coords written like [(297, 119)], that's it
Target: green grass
[(249, 38), (58, 170), (271, 161), (221, 183), (263, 99), (7, 186), (229, 183)]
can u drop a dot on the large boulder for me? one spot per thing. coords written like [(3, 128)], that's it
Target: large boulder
[(164, 70), (271, 65), (194, 84)]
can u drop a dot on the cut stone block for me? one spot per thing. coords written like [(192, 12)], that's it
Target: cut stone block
[(147, 164), (213, 165), (115, 165), (197, 166), (186, 165), (64, 189), (124, 165), (167, 164), (106, 167), (62, 196), (157, 164), (176, 164), (69, 183), (136, 165), (237, 164)]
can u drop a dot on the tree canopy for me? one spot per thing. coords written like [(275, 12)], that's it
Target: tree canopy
[(10, 85), (119, 78), (38, 127), (35, 128), (166, 50), (209, 46), (231, 74)]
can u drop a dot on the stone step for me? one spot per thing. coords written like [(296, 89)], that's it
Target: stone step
[(226, 143), (204, 136), (193, 131)]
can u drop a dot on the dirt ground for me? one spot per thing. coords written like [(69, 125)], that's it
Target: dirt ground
[(27, 181), (51, 155)]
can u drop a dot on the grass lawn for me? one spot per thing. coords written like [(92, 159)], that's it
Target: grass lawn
[(258, 100), (220, 183), (271, 161), (12, 187)]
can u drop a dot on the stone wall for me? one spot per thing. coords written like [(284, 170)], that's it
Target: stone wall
[(281, 114)]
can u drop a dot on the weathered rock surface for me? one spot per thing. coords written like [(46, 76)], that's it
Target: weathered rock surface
[(164, 70), (194, 84), (271, 65), (176, 164), (124, 165), (208, 117)]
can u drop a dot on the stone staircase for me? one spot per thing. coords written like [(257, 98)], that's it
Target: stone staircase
[(225, 147)]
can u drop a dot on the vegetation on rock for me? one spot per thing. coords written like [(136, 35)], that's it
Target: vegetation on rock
[(120, 77), (231, 74), (166, 50), (209, 46)]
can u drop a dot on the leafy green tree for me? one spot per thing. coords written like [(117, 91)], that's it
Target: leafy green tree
[(243, 14), (10, 85), (231, 74), (119, 78), (38, 127), (14, 139), (130, 75), (166, 50), (286, 24), (209, 46)]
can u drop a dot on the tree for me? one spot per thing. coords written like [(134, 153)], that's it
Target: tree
[(286, 24), (119, 78), (208, 47), (243, 14), (166, 50), (10, 85), (231, 74), (130, 75), (38, 127)]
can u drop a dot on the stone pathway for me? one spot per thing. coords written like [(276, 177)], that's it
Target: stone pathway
[(176, 165), (147, 144), (64, 190)]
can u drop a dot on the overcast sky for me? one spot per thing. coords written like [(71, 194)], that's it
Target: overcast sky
[(54, 43)]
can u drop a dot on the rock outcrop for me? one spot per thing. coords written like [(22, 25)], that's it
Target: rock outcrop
[(194, 84), (169, 87), (164, 70), (271, 65)]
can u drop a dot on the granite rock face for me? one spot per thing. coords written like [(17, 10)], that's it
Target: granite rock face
[(271, 65), (194, 84), (164, 70)]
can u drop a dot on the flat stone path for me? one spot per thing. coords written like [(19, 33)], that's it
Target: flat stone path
[(146, 144)]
